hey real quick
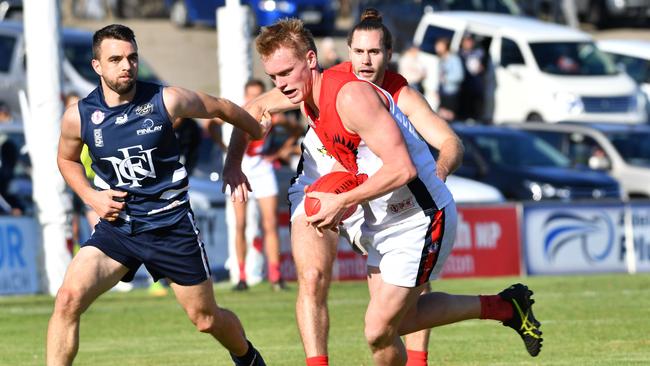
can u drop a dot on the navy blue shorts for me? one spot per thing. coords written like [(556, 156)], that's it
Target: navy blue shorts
[(175, 252)]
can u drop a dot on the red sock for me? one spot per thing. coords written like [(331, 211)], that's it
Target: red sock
[(494, 307), (416, 358), (274, 272), (242, 271), (317, 361)]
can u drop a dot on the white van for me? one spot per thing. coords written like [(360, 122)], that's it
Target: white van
[(537, 71)]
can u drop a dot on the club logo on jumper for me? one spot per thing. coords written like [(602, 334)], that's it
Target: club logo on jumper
[(323, 151), (135, 165), (99, 138), (148, 126), (120, 120), (593, 235), (401, 206), (97, 117), (143, 110)]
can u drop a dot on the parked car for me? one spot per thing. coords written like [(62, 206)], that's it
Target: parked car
[(525, 167), (621, 150), (467, 190), (318, 15), (601, 13), (77, 73), (538, 71), (632, 56)]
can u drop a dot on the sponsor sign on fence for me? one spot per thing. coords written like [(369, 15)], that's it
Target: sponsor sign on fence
[(586, 238), (19, 243), (487, 243)]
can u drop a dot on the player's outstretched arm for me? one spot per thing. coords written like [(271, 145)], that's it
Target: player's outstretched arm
[(182, 102), (435, 131), (69, 162), (273, 101), (260, 108)]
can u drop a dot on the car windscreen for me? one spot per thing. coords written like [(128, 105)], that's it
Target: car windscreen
[(7, 44), (633, 146), (80, 53), (637, 68), (431, 36), (571, 58), (519, 150)]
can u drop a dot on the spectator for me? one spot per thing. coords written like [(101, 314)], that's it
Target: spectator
[(472, 90), (329, 55), (451, 76), (411, 67), (9, 204), (261, 176), (5, 113), (281, 145), (567, 65), (188, 132)]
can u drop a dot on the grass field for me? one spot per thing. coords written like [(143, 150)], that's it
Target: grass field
[(587, 320)]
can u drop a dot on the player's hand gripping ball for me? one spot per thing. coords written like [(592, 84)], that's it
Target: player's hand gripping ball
[(335, 182)]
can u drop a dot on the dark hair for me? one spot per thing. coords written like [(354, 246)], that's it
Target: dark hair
[(113, 31), (371, 20), (288, 32), (255, 82)]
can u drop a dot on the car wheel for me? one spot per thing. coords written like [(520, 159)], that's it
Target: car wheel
[(534, 117), (178, 14)]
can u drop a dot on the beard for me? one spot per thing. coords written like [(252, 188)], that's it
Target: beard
[(120, 88)]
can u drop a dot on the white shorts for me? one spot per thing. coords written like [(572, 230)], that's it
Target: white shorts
[(261, 176), (408, 254), (414, 251)]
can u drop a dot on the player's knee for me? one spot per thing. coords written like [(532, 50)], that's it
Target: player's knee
[(313, 281), (241, 227), (69, 302), (269, 224), (205, 323), (378, 336)]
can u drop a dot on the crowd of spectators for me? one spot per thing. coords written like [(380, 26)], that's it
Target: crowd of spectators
[(455, 83)]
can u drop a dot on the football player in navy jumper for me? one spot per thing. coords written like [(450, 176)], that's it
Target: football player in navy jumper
[(141, 196)]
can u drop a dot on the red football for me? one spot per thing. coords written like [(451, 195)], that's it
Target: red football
[(335, 182)]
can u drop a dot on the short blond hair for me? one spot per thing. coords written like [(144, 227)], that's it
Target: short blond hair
[(290, 33)]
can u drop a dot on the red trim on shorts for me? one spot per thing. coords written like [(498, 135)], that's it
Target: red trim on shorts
[(432, 244)]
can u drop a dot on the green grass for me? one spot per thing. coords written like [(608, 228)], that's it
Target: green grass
[(587, 320)]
